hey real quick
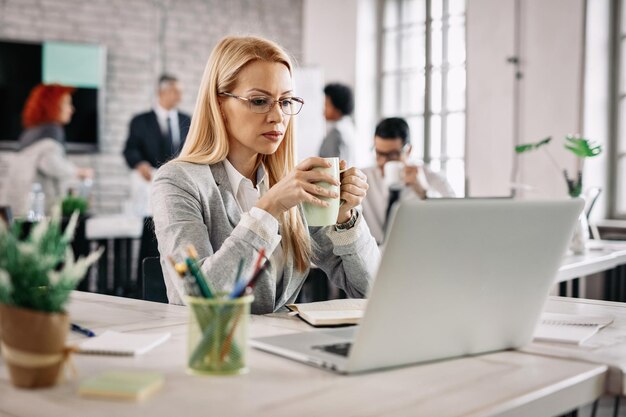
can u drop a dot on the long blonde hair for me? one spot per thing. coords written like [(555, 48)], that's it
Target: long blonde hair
[(207, 141)]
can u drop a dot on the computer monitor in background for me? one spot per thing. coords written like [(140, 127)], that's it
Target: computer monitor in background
[(23, 65)]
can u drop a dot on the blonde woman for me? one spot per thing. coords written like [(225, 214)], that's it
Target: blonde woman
[(236, 188)]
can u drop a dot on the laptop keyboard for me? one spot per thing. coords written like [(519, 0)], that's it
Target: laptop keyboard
[(341, 349)]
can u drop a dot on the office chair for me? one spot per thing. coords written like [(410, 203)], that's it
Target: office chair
[(153, 284)]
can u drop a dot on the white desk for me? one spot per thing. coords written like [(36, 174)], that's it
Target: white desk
[(504, 383), (608, 347), (601, 256)]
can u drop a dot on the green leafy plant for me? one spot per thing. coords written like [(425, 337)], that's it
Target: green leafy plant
[(40, 271), (72, 203), (532, 146), (579, 146)]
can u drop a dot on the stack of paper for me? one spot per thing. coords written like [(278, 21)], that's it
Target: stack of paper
[(569, 328)]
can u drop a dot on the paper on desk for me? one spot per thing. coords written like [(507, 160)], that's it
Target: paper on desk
[(116, 343), (569, 328), (575, 319)]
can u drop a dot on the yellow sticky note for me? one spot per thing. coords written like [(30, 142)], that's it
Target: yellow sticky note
[(123, 385)]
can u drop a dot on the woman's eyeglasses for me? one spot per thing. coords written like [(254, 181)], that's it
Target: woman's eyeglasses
[(290, 106)]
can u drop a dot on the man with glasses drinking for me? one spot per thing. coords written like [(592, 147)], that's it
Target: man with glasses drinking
[(404, 180)]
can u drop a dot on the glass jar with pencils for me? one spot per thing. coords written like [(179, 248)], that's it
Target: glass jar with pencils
[(218, 334), (218, 322)]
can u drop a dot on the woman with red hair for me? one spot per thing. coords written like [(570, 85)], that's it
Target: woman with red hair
[(41, 157)]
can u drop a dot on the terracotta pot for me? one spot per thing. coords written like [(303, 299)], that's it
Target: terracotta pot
[(34, 345)]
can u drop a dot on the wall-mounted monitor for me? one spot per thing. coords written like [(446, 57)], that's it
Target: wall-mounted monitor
[(23, 65)]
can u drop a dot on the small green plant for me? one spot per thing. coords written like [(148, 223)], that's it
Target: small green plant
[(72, 203), (579, 146), (40, 271)]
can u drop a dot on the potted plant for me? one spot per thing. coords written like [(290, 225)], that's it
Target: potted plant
[(582, 148), (37, 274), (72, 203)]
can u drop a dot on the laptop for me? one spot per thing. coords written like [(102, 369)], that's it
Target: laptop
[(457, 277)]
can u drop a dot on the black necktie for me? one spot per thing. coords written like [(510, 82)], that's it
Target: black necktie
[(170, 135), (394, 195)]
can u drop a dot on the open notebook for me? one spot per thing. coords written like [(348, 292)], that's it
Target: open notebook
[(126, 344), (569, 328), (331, 312)]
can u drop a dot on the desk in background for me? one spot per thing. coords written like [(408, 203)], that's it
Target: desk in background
[(611, 229), (601, 256), (506, 383), (127, 241)]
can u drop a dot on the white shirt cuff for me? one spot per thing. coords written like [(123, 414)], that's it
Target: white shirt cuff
[(267, 220)]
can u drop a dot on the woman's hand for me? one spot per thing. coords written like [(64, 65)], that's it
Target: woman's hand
[(298, 187), (353, 190)]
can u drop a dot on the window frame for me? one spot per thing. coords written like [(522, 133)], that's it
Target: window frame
[(617, 29), (444, 69)]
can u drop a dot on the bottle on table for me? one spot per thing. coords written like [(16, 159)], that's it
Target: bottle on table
[(37, 209)]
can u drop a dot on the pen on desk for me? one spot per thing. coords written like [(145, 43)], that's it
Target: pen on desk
[(82, 330)]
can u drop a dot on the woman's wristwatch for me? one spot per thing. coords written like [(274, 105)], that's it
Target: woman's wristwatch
[(349, 224)]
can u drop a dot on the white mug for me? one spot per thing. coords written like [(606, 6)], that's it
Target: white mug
[(325, 216), (394, 174)]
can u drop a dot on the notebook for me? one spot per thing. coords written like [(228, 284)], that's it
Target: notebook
[(331, 312), (125, 344), (569, 328), (123, 385)]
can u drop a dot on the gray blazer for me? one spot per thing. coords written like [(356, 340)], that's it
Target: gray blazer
[(194, 203)]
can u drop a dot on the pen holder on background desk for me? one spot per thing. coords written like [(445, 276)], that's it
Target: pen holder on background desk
[(218, 335)]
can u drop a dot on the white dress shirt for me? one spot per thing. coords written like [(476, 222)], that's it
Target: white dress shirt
[(377, 198), (247, 196), (162, 117)]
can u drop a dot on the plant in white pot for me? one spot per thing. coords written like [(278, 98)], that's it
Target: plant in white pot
[(582, 148), (37, 275)]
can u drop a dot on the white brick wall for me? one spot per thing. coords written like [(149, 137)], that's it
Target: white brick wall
[(144, 38)]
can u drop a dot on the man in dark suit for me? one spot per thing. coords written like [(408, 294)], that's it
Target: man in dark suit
[(157, 136), (154, 138)]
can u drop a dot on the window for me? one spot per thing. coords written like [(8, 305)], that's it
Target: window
[(422, 76), (618, 125)]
